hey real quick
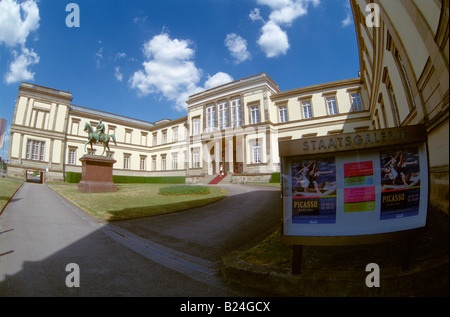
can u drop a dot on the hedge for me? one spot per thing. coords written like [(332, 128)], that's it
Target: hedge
[(73, 177), (275, 178)]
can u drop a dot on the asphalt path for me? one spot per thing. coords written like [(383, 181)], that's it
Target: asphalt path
[(173, 255)]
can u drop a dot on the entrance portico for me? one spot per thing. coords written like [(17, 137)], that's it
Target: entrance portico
[(224, 154)]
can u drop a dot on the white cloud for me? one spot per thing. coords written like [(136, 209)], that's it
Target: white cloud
[(99, 55), (347, 21), (348, 18), (140, 18), (18, 69), (237, 47), (119, 55), (13, 29), (284, 12), (118, 74), (273, 41), (217, 80), (255, 15), (17, 21), (169, 70)]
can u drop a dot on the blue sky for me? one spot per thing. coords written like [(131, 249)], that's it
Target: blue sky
[(142, 58)]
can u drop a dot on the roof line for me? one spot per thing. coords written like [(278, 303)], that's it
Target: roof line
[(110, 115)]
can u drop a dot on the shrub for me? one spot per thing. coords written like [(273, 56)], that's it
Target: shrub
[(275, 178), (73, 177)]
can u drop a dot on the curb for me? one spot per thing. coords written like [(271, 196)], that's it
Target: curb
[(426, 278)]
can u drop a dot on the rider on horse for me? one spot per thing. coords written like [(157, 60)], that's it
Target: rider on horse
[(98, 136), (100, 131)]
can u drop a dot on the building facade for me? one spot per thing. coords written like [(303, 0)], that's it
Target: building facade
[(404, 60), (47, 135), (235, 128)]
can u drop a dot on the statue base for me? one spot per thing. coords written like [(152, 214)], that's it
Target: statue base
[(97, 174)]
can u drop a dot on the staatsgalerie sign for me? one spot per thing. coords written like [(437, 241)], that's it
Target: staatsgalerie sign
[(353, 141), (354, 184)]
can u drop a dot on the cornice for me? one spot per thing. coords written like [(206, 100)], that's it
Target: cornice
[(316, 88), (51, 134), (36, 90), (262, 78)]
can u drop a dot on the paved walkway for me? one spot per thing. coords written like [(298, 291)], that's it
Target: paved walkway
[(41, 233)]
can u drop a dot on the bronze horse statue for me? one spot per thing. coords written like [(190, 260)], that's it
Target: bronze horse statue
[(103, 138)]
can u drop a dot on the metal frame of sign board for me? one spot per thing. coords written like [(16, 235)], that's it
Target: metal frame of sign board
[(365, 146)]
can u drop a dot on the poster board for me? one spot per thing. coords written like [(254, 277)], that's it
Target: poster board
[(351, 188)]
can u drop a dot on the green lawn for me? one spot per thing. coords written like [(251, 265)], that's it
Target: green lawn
[(140, 200), (265, 184), (7, 189)]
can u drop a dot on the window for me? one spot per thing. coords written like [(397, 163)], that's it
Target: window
[(175, 134), (356, 102), (256, 153), (377, 117), (383, 112), (210, 118), (128, 135), (164, 137), (75, 126), (254, 114), (155, 139), (143, 138), (406, 80), (143, 161), (196, 126), (394, 106), (111, 129), (307, 109), (126, 161), (174, 161), (163, 162), (154, 163), (236, 113), (332, 105), (29, 144), (195, 159), (35, 150), (72, 156), (223, 115), (283, 114)]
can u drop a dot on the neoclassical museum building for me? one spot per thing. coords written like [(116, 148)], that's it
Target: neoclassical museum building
[(236, 127)]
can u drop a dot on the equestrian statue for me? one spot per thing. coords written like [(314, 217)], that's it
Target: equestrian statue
[(98, 136)]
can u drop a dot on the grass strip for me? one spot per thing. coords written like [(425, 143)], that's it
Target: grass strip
[(184, 190), (7, 189), (137, 200)]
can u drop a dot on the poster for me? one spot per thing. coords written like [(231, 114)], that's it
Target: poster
[(400, 183), (359, 187), (375, 186), (314, 191)]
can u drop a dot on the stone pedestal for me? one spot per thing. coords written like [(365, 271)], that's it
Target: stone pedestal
[(97, 174)]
